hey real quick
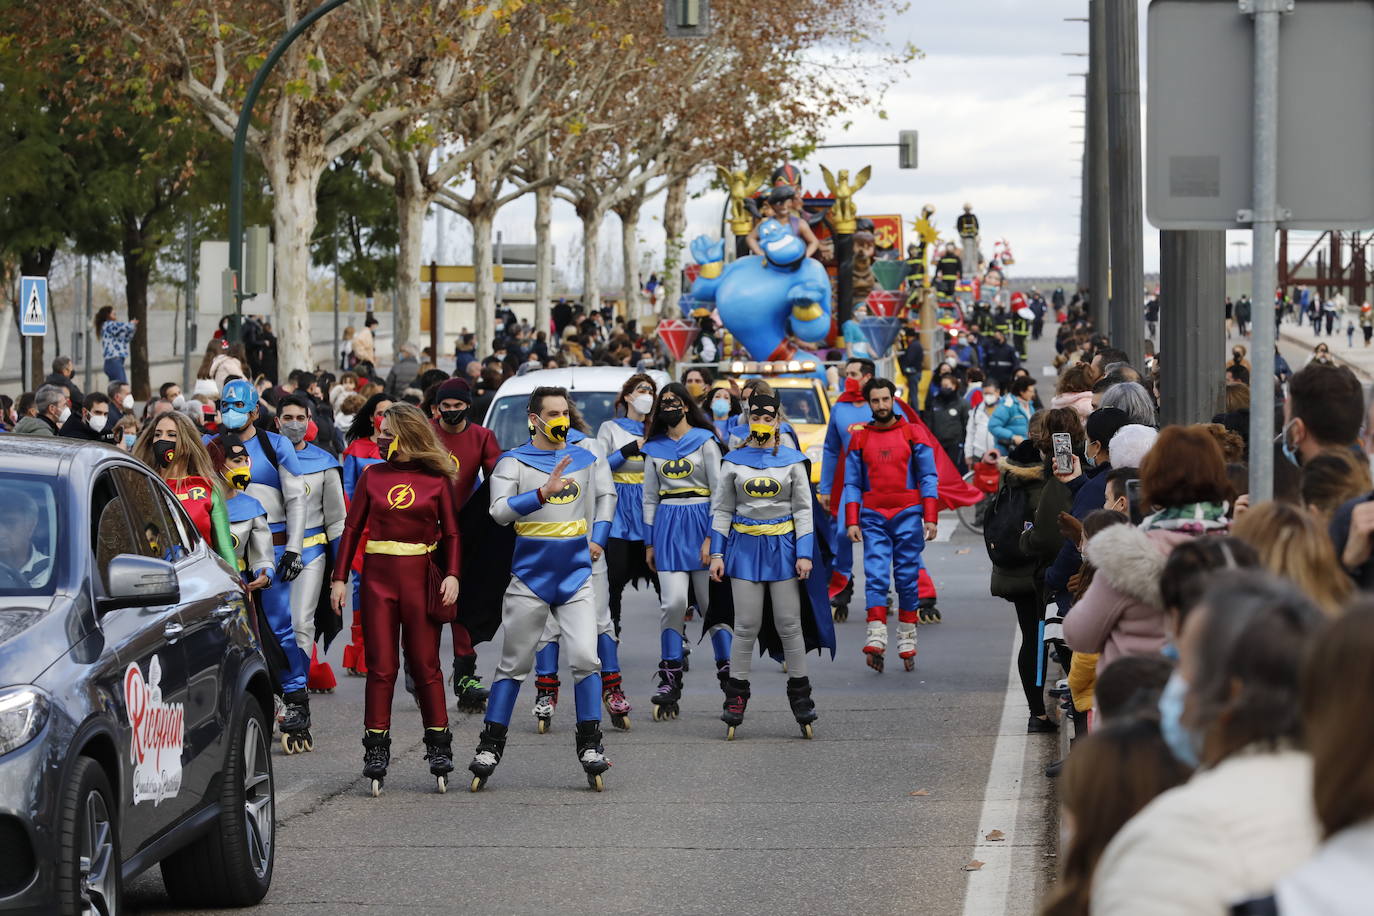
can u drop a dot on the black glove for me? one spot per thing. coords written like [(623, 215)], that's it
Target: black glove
[(290, 566), (629, 450)]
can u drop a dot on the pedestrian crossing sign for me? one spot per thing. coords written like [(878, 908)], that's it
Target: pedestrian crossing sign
[(33, 306)]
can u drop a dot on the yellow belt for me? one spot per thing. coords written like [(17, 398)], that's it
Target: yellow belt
[(318, 540), (775, 528), (628, 477), (572, 529), (399, 548), (685, 491)]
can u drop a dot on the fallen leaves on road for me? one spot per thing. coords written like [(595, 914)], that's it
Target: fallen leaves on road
[(995, 836), (975, 865), (920, 792), (962, 552)]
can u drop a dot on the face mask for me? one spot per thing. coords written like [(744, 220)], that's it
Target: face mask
[(672, 417), (1289, 451), (720, 408), (642, 403), (453, 417), (97, 421), (129, 440), (128, 402), (234, 419), (239, 478), (1089, 460), (696, 389), (386, 445), (64, 415), (179, 402), (164, 452), (1183, 743), (377, 422), (761, 431), (294, 431), (556, 429), (853, 386), (951, 361)]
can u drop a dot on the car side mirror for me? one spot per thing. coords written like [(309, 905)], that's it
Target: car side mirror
[(135, 581)]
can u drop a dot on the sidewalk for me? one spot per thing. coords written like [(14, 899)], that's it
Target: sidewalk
[(1301, 341)]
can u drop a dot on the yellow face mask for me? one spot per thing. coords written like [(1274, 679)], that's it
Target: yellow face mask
[(239, 478), (696, 389), (761, 431), (557, 428)]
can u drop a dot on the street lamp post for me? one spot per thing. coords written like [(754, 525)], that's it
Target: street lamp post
[(240, 145)]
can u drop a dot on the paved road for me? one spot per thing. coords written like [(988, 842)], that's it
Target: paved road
[(690, 823)]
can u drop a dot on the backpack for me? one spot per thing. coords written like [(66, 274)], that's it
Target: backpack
[(1007, 514)]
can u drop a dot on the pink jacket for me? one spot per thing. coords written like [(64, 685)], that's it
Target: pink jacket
[(1081, 401), (1122, 613)]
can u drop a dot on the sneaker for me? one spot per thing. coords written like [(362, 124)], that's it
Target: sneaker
[(1038, 726), (1054, 769)]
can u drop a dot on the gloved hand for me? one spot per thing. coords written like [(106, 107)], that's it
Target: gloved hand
[(290, 566)]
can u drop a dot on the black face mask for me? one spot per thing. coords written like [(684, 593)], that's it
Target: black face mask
[(673, 417), (165, 452), (453, 417)]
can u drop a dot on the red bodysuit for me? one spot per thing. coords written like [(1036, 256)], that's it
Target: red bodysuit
[(409, 514)]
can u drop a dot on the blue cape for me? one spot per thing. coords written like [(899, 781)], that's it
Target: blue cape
[(633, 427), (312, 458), (543, 460), (666, 449), (753, 457), (242, 507)]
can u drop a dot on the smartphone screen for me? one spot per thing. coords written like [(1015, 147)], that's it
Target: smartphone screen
[(1133, 501), (1063, 453)]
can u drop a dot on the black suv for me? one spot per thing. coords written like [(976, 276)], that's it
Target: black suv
[(133, 692)]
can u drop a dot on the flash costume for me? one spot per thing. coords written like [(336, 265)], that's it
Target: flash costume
[(551, 572)]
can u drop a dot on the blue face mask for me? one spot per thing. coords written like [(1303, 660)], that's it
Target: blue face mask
[(1288, 451), (234, 419), (721, 408), (129, 440), (1183, 743)]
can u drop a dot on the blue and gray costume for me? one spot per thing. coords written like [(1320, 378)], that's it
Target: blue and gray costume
[(325, 513)]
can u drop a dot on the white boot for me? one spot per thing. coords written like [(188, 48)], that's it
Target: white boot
[(906, 644), (876, 644)]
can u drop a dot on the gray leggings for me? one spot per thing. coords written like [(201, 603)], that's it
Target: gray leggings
[(749, 616), (672, 600)]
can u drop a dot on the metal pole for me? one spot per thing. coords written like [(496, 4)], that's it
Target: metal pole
[(440, 293), (336, 293), (83, 347), (1265, 217), (1192, 329), (1123, 139), (500, 260), (240, 147), (1099, 191), (190, 308)]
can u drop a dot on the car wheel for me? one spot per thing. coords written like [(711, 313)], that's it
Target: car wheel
[(89, 870), (232, 864)]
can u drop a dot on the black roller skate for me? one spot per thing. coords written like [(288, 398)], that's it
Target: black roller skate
[(799, 698), (376, 758), (467, 686), (295, 723), (439, 754), (591, 754), (614, 698), (736, 698), (545, 701), (669, 690), (839, 605), (491, 744), (927, 610), (723, 672)]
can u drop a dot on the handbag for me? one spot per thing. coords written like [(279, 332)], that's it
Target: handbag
[(436, 610)]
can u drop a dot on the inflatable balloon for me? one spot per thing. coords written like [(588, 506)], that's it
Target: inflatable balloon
[(761, 299)]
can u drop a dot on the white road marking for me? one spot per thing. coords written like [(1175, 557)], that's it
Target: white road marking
[(986, 894)]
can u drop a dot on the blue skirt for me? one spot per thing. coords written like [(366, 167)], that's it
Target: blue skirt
[(761, 557), (679, 531), (628, 521)]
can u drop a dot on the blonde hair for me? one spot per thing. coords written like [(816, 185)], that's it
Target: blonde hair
[(416, 441), (1293, 545), (191, 453)]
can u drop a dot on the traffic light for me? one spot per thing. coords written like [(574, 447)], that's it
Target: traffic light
[(906, 152), (687, 18)]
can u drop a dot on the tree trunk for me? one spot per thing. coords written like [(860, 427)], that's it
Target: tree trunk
[(675, 231), (293, 220), (482, 217), (138, 266), (629, 253), (411, 204), (543, 260), (591, 215)]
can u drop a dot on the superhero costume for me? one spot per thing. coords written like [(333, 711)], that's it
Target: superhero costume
[(411, 522), (325, 510), (205, 506), (625, 549), (252, 541), (360, 454)]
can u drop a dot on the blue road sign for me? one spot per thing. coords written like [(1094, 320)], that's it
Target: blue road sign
[(33, 306)]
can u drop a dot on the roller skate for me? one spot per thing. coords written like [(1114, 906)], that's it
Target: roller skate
[(614, 697), (591, 754), (876, 644), (799, 698), (906, 644), (840, 597), (376, 758), (736, 698), (723, 672), (491, 744), (295, 724), (467, 686), (927, 610), (321, 677), (669, 690), (439, 755), (545, 701)]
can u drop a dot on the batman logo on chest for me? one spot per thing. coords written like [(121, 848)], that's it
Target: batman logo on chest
[(566, 495), (762, 486), (677, 469)]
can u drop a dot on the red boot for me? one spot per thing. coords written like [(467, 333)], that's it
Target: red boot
[(321, 676), (354, 658)]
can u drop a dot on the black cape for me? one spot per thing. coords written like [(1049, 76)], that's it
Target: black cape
[(487, 551)]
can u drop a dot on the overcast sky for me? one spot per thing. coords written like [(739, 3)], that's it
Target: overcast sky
[(998, 114)]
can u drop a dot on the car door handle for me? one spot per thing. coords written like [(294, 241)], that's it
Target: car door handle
[(173, 630)]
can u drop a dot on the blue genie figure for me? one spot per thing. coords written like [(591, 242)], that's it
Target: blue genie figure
[(761, 299)]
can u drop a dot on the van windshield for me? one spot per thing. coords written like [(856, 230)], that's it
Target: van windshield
[(507, 418), (28, 535)]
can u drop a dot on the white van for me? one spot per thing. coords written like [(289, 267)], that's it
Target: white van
[(594, 390)]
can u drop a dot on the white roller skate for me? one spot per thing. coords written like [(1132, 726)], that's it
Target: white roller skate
[(876, 644), (906, 644)]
